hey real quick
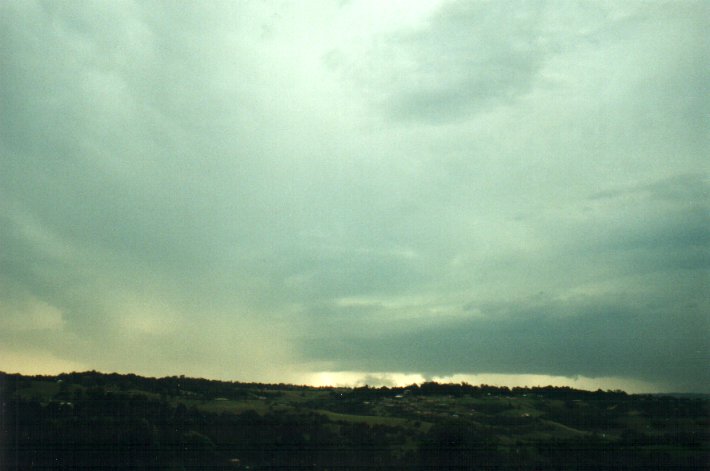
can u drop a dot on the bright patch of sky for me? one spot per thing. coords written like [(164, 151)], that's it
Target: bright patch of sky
[(375, 379)]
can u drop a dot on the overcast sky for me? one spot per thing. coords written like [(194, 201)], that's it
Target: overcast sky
[(357, 191)]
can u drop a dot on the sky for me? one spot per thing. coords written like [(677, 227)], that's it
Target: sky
[(358, 192)]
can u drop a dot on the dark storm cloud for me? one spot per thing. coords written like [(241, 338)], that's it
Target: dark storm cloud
[(633, 304), (595, 338)]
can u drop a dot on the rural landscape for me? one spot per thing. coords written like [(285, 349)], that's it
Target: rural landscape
[(354, 235), (93, 420)]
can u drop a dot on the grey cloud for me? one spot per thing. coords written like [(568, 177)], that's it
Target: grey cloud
[(469, 57), (177, 166), (666, 347), (106, 134), (685, 189), (632, 301)]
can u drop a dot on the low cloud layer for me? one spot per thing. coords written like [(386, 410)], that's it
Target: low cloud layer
[(266, 191)]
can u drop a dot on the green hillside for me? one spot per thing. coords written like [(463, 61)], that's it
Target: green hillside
[(89, 420)]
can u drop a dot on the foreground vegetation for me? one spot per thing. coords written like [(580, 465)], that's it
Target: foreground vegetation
[(111, 421)]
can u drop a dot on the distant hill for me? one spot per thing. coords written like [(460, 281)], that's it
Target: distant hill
[(684, 395), (92, 419)]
